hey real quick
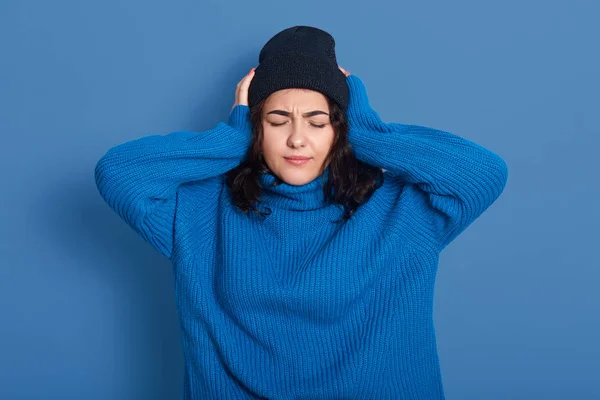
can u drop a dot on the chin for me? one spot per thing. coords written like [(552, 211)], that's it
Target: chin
[(298, 177)]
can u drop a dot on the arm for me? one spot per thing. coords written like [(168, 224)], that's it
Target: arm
[(139, 179), (452, 180)]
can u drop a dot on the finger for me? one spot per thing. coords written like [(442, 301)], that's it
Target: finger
[(245, 83)]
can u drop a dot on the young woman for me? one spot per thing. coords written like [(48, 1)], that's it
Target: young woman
[(302, 270)]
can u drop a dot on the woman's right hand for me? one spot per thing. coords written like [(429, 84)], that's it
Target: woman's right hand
[(241, 92)]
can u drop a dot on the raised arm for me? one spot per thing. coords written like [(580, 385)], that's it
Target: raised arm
[(453, 180), (139, 179)]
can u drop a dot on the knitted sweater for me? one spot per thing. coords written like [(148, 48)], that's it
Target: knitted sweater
[(293, 305)]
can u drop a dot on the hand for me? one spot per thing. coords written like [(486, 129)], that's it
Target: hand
[(241, 92), (347, 73)]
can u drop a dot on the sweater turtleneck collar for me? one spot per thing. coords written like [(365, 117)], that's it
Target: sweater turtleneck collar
[(309, 196)]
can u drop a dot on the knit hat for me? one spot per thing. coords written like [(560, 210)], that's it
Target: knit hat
[(299, 57)]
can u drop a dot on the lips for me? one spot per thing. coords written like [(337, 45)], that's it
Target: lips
[(297, 158)]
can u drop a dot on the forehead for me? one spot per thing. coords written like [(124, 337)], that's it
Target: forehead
[(296, 97)]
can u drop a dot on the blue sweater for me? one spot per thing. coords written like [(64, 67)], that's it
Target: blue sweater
[(294, 306)]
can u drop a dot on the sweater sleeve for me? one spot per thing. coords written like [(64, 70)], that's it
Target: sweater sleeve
[(451, 180), (139, 179)]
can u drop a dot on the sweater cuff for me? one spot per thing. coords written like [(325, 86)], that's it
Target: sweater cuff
[(360, 115), (358, 93), (239, 118)]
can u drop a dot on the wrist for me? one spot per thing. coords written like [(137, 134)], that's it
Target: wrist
[(360, 114), (239, 118)]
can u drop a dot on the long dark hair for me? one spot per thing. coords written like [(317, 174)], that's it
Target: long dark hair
[(350, 182)]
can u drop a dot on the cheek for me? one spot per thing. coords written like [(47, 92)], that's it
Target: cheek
[(326, 141), (270, 144)]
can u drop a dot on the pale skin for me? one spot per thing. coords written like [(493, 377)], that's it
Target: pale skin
[(295, 123)]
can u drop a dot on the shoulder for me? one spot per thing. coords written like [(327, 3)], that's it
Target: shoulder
[(202, 194), (393, 184), (408, 208)]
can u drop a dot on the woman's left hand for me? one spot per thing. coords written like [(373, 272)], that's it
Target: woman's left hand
[(347, 73)]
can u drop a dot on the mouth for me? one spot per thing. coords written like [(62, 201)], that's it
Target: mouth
[(297, 160)]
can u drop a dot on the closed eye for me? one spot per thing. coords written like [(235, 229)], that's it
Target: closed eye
[(283, 123)]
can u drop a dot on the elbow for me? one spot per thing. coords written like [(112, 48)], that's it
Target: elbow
[(488, 185), (498, 176), (118, 188)]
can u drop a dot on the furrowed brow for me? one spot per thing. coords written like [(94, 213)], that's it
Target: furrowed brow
[(305, 115)]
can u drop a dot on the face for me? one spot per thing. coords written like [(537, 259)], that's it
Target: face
[(296, 123)]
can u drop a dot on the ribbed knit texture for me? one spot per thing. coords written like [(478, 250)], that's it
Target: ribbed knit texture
[(294, 306)]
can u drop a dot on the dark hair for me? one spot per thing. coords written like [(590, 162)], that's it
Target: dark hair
[(353, 181)]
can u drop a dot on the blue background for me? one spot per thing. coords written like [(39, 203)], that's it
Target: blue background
[(88, 307)]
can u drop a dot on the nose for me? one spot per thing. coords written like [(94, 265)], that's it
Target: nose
[(297, 137)]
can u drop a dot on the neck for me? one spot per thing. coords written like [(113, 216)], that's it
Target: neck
[(309, 196)]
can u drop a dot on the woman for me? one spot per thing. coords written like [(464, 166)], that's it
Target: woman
[(309, 279)]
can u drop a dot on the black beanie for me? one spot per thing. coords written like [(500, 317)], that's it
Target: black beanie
[(299, 57)]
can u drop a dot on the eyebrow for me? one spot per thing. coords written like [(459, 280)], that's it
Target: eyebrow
[(305, 115)]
